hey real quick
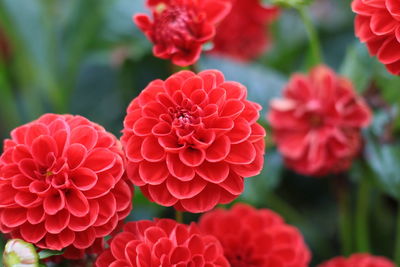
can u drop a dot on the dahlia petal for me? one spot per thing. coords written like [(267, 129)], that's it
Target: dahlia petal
[(234, 90), (42, 146), (78, 224), (362, 28), (394, 9), (209, 79), (233, 184), (54, 202), (151, 149), (187, 58), (7, 195), (219, 150), (20, 152), (251, 169), (28, 168), (192, 84), (35, 215), (133, 148), (389, 52), (105, 182), (143, 255), (161, 195), (383, 23), (76, 154), (196, 245), (85, 135), (144, 126), (170, 143), (216, 10), (178, 169), (183, 190), (192, 157), (142, 21), (32, 233), (161, 129), (232, 108), (83, 179), (211, 253), (107, 228), (26, 199), (217, 96), (19, 133), (13, 217), (120, 263), (61, 240), (180, 255), (292, 145), (76, 203), (108, 207), (375, 45), (241, 131), (213, 172), (394, 68), (153, 234), (123, 195), (34, 131), (100, 159), (204, 201), (243, 153), (84, 239), (222, 125), (149, 175), (54, 224)]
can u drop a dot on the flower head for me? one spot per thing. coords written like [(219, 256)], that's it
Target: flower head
[(165, 243), (359, 260), (377, 24), (180, 27), (317, 123), (253, 237), (243, 34), (62, 184), (191, 139), (20, 253)]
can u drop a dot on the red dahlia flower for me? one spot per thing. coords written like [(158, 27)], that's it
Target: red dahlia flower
[(180, 27), (317, 123), (191, 139), (358, 260), (62, 184), (162, 243), (243, 34), (378, 25), (258, 238)]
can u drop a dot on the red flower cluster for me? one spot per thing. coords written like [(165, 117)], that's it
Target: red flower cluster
[(243, 34), (191, 139), (162, 243), (317, 123), (181, 27), (378, 25), (358, 260), (62, 184), (256, 237)]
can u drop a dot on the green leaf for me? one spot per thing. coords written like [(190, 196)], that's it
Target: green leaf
[(44, 254)]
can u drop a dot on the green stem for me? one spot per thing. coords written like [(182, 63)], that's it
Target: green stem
[(361, 225), (315, 47), (345, 223), (179, 216), (397, 245)]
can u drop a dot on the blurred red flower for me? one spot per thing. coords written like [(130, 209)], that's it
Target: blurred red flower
[(377, 24), (162, 243), (358, 260), (191, 139), (317, 123), (181, 27), (253, 237), (62, 184), (243, 34)]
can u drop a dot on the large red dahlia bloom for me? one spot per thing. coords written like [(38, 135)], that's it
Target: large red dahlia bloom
[(358, 260), (256, 238), (191, 139), (378, 25), (162, 243), (180, 27), (62, 184), (243, 34), (317, 123)]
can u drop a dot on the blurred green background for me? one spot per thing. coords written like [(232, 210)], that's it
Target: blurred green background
[(87, 57)]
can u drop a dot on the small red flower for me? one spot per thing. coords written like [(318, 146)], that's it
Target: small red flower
[(377, 24), (191, 139), (358, 260), (243, 34), (62, 184), (317, 123), (181, 27), (162, 243), (253, 237)]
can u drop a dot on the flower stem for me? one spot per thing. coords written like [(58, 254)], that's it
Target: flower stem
[(361, 224), (179, 216), (397, 245), (315, 47)]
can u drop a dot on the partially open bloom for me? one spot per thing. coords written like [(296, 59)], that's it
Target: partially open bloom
[(317, 123), (190, 140), (377, 24), (243, 35), (358, 260), (253, 237), (164, 243), (62, 184), (180, 27), (20, 253)]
